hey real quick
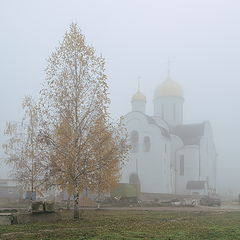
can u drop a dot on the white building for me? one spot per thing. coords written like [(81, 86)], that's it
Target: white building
[(9, 189), (168, 156)]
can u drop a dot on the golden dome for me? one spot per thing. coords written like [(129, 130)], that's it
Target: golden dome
[(138, 96), (168, 88)]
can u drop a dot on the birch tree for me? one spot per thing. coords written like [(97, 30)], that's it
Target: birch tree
[(109, 149), (23, 150), (73, 100)]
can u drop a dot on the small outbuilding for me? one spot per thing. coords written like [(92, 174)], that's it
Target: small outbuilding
[(197, 187)]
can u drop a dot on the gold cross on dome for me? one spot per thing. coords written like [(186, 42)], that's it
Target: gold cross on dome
[(169, 62), (139, 77)]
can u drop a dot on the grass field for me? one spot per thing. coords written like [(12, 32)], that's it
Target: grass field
[(108, 224)]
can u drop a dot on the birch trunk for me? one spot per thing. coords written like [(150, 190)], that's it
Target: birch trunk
[(76, 213)]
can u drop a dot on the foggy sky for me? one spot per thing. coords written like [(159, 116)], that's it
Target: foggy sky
[(136, 37)]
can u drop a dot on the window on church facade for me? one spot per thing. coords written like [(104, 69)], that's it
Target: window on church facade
[(165, 148), (207, 145), (146, 144), (162, 111), (174, 112), (182, 165), (134, 141)]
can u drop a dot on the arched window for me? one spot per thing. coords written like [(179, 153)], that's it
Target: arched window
[(146, 144), (181, 165), (134, 141), (174, 112), (162, 111), (207, 145)]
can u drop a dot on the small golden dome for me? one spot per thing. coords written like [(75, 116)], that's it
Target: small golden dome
[(138, 97), (168, 88)]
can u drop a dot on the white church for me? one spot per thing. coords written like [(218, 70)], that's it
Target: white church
[(168, 156)]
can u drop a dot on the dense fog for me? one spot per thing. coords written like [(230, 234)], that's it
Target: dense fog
[(137, 38)]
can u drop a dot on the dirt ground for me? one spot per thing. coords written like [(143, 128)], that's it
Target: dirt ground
[(225, 207)]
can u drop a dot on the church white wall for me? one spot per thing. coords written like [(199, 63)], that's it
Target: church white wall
[(191, 167), (176, 144), (159, 169), (169, 109), (161, 122), (208, 157), (153, 168)]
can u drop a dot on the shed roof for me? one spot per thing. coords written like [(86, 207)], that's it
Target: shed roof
[(195, 185)]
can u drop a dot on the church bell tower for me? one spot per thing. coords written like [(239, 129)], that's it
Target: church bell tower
[(168, 102), (139, 102)]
